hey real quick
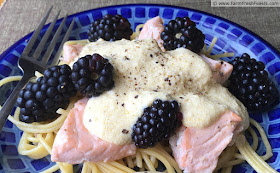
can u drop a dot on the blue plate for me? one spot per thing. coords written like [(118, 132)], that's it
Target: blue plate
[(231, 38)]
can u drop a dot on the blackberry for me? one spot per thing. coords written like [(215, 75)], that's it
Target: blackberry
[(92, 75), (110, 28), (39, 101), (249, 83), (182, 32), (157, 123)]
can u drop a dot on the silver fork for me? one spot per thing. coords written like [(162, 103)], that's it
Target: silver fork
[(30, 64)]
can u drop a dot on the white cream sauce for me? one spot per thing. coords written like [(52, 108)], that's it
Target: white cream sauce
[(143, 73)]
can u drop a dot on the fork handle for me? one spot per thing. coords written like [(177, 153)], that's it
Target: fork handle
[(10, 102)]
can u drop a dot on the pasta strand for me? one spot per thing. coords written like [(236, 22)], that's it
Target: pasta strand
[(121, 167), (51, 169), (252, 157), (160, 157), (148, 162), (264, 138)]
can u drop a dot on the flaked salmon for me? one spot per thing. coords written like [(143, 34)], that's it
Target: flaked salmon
[(221, 69), (197, 150), (152, 29), (74, 143), (71, 51)]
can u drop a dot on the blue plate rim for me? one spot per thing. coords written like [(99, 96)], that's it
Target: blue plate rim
[(266, 43)]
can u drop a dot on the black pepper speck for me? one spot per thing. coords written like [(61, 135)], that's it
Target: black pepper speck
[(124, 131)]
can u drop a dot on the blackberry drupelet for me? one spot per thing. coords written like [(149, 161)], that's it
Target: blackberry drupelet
[(92, 75), (39, 101), (157, 123), (182, 32), (110, 28), (249, 83)]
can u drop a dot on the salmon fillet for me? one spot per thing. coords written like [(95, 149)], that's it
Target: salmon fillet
[(70, 52), (197, 150), (74, 143)]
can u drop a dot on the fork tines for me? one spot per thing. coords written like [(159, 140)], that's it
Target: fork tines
[(45, 58)]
